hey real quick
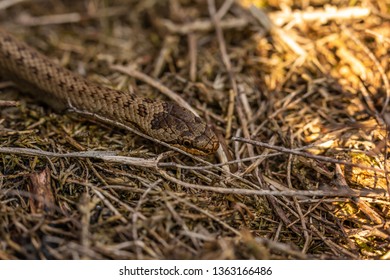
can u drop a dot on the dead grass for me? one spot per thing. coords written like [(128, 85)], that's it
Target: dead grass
[(310, 90)]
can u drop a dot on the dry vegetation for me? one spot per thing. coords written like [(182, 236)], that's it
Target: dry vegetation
[(298, 93)]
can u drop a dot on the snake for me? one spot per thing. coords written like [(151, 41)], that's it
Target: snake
[(162, 120)]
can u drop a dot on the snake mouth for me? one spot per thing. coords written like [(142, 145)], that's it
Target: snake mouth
[(210, 148)]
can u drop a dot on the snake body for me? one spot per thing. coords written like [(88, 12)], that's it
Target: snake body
[(164, 121)]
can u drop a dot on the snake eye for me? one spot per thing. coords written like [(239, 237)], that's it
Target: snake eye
[(187, 143)]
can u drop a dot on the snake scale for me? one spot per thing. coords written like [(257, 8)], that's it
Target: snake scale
[(161, 120)]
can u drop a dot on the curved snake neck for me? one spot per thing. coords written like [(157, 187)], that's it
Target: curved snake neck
[(161, 120)]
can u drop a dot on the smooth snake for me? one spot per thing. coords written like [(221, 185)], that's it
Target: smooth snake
[(161, 120)]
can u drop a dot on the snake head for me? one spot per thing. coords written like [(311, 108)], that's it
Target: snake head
[(202, 144), (181, 128)]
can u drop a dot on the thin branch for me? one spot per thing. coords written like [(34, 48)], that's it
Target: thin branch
[(8, 3), (103, 155), (322, 15), (293, 193), (305, 154), (202, 25), (154, 83)]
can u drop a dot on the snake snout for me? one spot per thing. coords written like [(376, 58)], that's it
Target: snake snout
[(207, 142)]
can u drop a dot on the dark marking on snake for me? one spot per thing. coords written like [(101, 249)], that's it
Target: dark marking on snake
[(142, 110)]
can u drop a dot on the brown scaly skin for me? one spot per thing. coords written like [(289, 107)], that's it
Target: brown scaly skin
[(161, 120)]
